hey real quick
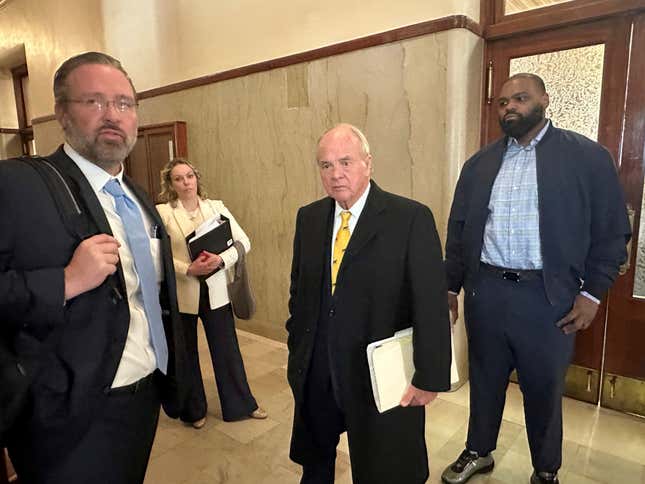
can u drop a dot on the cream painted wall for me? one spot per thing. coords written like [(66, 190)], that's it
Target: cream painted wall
[(165, 41), (51, 31), (143, 36)]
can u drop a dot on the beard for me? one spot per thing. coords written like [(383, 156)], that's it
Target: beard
[(107, 154), (519, 126)]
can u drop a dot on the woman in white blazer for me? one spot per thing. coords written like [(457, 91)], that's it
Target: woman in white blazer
[(185, 209)]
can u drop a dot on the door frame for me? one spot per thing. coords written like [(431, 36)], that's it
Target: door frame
[(584, 374), (623, 386)]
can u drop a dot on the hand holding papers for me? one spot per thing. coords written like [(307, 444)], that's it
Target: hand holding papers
[(392, 367)]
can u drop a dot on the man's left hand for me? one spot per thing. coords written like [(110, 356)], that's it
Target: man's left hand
[(580, 316), (414, 397)]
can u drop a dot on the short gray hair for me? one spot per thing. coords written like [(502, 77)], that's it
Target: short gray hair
[(60, 77)]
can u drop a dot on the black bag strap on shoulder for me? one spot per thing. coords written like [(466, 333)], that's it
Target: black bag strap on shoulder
[(66, 203), (16, 373)]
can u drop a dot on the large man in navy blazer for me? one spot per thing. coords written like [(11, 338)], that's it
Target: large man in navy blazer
[(93, 406), (536, 235), (388, 277)]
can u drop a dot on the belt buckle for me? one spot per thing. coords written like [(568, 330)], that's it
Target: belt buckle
[(511, 276)]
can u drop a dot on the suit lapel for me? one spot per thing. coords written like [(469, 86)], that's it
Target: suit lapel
[(207, 209), (87, 197), (486, 176), (317, 237), (367, 227), (83, 190)]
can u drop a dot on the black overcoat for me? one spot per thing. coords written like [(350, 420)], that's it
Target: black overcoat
[(391, 277), (35, 246)]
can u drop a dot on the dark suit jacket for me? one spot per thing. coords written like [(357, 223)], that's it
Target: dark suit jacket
[(583, 220), (34, 248), (390, 278)]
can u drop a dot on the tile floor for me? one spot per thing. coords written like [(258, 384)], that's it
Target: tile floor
[(600, 446)]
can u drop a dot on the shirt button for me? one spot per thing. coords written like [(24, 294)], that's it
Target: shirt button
[(307, 330), (332, 312)]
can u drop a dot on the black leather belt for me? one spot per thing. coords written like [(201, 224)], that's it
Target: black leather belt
[(135, 387), (515, 275)]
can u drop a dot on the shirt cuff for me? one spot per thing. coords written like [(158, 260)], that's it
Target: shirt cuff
[(589, 296), (453, 293)]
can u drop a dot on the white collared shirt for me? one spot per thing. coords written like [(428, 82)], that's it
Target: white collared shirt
[(355, 210), (138, 358)]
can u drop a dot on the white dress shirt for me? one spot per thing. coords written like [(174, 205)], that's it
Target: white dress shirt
[(138, 358)]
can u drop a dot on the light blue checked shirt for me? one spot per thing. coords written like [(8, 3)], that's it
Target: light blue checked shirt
[(512, 234)]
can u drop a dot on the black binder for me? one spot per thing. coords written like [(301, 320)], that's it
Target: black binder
[(216, 241)]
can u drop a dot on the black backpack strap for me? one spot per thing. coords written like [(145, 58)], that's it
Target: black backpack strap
[(16, 372), (66, 203)]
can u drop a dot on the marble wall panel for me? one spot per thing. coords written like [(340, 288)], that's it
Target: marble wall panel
[(254, 139), (48, 137), (10, 146)]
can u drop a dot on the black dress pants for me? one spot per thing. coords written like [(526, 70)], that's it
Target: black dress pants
[(511, 325), (326, 422), (114, 450), (235, 395)]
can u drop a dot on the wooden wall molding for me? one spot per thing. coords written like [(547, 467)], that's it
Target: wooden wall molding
[(555, 16), (394, 35), (43, 119)]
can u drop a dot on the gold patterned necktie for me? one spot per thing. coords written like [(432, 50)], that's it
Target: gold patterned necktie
[(340, 244)]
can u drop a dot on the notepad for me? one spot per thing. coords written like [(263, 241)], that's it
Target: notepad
[(391, 367)]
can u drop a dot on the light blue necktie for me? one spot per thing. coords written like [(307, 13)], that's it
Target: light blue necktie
[(140, 247)]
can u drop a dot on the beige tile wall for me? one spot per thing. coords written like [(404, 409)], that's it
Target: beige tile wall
[(254, 138), (10, 145)]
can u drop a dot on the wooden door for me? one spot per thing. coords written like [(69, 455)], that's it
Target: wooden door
[(156, 145), (585, 70), (623, 381)]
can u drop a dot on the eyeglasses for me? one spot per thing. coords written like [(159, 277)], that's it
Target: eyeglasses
[(100, 104)]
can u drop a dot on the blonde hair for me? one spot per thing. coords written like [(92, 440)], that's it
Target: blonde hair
[(168, 193)]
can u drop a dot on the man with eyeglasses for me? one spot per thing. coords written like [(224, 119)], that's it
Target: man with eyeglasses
[(93, 310)]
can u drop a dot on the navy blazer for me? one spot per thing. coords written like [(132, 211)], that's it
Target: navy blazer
[(35, 246), (583, 219)]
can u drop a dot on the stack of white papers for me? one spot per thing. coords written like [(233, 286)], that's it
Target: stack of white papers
[(205, 227), (392, 366)]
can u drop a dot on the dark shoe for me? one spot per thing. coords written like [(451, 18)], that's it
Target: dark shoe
[(544, 478), (467, 465)]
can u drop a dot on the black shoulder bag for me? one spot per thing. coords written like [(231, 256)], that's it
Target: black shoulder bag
[(16, 374)]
